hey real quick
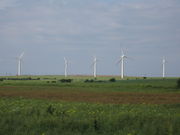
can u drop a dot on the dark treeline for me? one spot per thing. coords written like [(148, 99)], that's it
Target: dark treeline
[(99, 81), (28, 78), (66, 80)]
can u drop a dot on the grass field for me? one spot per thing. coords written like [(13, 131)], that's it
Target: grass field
[(43, 105)]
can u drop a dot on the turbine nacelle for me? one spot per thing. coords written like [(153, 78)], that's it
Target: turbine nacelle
[(95, 59), (21, 56), (65, 61), (123, 56), (164, 61)]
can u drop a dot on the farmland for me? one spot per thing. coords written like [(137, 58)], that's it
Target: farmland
[(44, 105)]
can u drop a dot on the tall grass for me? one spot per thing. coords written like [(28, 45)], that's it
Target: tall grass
[(40, 117)]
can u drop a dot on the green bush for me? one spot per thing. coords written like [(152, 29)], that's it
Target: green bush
[(50, 109), (178, 83), (66, 80), (87, 80), (112, 80), (53, 81)]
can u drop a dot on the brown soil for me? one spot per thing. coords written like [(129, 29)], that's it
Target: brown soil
[(95, 97)]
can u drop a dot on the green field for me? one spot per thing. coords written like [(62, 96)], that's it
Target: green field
[(47, 106)]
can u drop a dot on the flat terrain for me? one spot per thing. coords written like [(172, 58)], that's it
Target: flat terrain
[(48, 105), (66, 94), (101, 90)]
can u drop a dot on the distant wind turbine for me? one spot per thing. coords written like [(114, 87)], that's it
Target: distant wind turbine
[(65, 67), (95, 67), (122, 63), (163, 67), (19, 63)]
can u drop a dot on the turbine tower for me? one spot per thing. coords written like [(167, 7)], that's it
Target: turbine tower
[(95, 67), (19, 63), (65, 67), (122, 63), (163, 67)]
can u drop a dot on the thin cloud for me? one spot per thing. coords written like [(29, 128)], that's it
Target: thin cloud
[(89, 25), (4, 4)]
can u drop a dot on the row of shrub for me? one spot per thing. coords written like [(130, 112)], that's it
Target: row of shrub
[(66, 80), (86, 81), (51, 82), (70, 80), (27, 78), (62, 81), (94, 80), (49, 78)]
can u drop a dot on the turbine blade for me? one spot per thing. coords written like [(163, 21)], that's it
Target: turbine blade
[(94, 61), (130, 58), (122, 52), (92, 65), (118, 61), (22, 54), (164, 59)]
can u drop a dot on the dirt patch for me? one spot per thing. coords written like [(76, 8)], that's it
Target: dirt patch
[(95, 97)]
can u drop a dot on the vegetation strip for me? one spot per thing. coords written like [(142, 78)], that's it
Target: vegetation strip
[(21, 116), (97, 97)]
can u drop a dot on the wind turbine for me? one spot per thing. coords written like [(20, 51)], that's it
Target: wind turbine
[(19, 63), (95, 67), (163, 67), (65, 67), (122, 63)]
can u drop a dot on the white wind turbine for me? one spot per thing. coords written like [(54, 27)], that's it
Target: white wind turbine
[(65, 67), (95, 67), (19, 63), (122, 63), (163, 67)]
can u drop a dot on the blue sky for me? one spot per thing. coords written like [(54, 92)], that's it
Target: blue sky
[(48, 30)]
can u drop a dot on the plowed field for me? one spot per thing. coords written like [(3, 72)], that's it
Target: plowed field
[(95, 97)]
